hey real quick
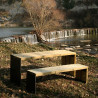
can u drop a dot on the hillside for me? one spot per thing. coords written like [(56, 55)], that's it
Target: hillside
[(79, 14)]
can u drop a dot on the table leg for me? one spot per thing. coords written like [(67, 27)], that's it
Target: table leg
[(31, 82), (15, 70), (70, 59)]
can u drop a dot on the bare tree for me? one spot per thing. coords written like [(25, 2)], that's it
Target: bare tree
[(43, 15), (88, 2)]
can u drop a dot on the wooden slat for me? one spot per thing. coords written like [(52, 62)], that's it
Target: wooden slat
[(44, 54), (57, 69)]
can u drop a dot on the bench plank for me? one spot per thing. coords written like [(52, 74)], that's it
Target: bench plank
[(57, 69), (44, 54), (81, 74)]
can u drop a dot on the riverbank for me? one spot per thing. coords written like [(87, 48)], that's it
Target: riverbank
[(61, 86)]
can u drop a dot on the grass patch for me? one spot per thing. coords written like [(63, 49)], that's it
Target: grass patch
[(53, 86)]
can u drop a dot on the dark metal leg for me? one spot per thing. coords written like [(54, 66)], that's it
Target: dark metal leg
[(71, 59), (15, 70), (31, 82)]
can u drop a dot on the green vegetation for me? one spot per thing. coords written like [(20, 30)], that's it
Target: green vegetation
[(54, 86), (68, 4)]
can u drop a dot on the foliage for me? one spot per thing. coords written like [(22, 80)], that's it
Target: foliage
[(84, 18), (68, 4), (96, 2), (89, 2), (12, 1), (43, 14)]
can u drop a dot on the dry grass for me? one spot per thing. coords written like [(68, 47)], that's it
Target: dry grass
[(54, 86)]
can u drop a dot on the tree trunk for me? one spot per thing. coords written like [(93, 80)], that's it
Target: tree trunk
[(39, 38)]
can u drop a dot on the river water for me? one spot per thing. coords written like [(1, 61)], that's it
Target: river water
[(7, 32), (72, 40), (77, 40), (86, 43)]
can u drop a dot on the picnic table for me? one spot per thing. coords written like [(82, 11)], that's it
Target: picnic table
[(67, 57)]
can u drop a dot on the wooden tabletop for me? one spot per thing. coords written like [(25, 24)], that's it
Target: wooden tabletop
[(43, 54)]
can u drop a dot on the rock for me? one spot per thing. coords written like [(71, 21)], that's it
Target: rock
[(77, 46), (95, 49), (63, 45), (87, 45), (68, 48), (88, 50), (85, 40), (93, 52), (95, 44), (72, 46)]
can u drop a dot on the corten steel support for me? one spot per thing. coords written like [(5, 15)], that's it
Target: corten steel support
[(31, 82), (15, 70), (82, 75), (70, 59)]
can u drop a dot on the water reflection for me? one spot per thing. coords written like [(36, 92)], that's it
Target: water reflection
[(7, 32), (76, 40), (87, 43)]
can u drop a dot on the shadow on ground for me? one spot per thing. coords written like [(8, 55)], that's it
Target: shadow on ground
[(8, 88)]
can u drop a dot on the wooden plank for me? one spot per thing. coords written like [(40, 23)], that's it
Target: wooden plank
[(57, 69), (65, 60), (15, 70), (44, 54), (82, 75), (31, 82), (70, 59)]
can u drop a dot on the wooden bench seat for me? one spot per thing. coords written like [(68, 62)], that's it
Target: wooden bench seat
[(81, 74)]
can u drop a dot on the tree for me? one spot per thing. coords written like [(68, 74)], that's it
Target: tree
[(96, 2), (12, 1), (68, 4), (88, 2), (43, 15)]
